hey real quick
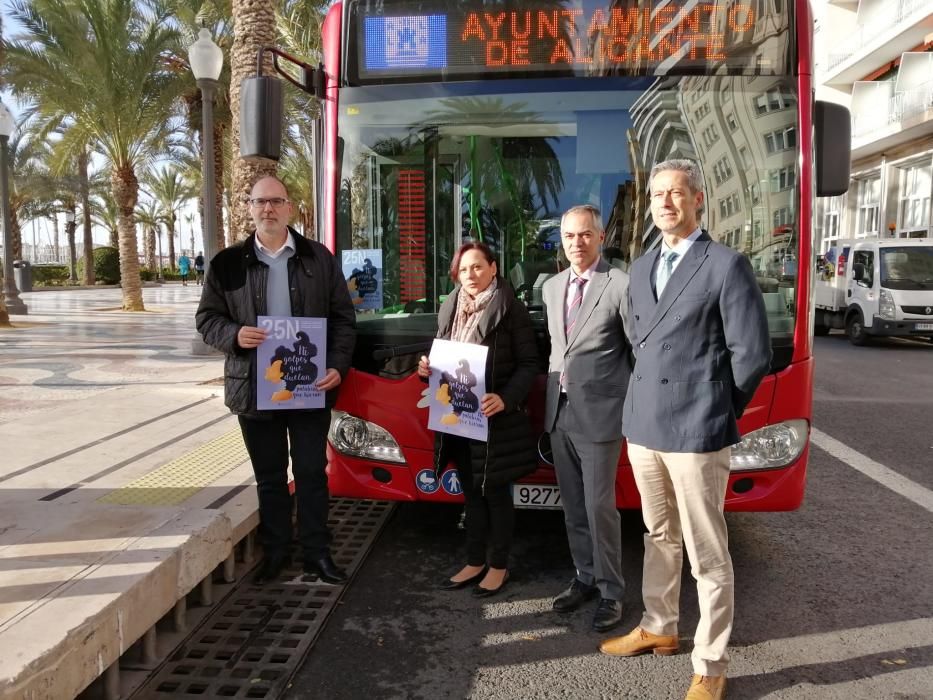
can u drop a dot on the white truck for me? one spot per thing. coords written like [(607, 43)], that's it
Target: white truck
[(874, 286)]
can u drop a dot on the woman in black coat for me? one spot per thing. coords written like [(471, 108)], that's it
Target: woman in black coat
[(482, 309)]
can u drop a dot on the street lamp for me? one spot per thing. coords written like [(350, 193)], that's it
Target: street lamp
[(72, 253), (14, 304), (207, 61)]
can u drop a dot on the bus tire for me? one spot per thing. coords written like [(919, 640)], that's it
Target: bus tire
[(855, 329)]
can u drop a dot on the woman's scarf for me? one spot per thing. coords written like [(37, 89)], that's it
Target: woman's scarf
[(469, 310)]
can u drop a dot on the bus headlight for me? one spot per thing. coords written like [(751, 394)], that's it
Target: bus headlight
[(886, 308), (771, 447), (356, 437)]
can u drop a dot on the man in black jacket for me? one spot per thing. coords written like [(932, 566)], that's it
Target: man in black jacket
[(277, 272)]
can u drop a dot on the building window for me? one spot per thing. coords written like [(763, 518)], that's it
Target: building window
[(869, 201), (783, 179), (781, 140), (773, 101), (701, 111), (729, 205), (782, 217), (710, 135), (832, 207), (743, 154), (914, 206), (754, 192), (722, 171), (725, 92), (730, 120)]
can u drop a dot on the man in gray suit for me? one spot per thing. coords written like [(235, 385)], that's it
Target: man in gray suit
[(700, 337), (588, 374)]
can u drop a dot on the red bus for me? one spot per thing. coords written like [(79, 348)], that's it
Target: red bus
[(485, 118)]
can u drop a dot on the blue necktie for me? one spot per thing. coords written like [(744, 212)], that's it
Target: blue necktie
[(665, 269)]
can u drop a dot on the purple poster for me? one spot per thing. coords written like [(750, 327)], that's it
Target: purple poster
[(290, 361)]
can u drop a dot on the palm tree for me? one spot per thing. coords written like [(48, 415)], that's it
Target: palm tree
[(254, 27), (96, 67), (170, 190), (104, 213)]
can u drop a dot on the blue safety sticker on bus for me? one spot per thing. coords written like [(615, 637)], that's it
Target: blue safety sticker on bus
[(417, 41), (450, 480), (426, 481)]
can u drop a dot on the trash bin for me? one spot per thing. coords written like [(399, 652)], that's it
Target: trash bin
[(22, 275)]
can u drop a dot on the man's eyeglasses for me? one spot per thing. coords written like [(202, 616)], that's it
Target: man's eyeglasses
[(263, 201)]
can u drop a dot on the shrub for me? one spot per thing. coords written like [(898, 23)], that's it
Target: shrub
[(106, 266), (146, 275), (50, 275)]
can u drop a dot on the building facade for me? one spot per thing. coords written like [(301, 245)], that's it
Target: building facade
[(876, 57)]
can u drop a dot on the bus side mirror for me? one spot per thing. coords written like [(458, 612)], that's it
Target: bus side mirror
[(261, 111), (833, 146)]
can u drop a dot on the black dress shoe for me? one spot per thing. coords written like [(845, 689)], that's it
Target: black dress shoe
[(326, 570), (608, 615), (480, 592), (449, 584), (270, 568), (575, 596)]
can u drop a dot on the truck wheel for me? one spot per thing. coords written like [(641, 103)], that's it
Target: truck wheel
[(855, 329)]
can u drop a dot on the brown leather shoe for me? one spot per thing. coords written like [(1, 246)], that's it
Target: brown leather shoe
[(707, 688), (640, 641)]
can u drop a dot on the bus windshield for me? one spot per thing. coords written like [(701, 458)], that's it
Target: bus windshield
[(907, 267), (424, 167)]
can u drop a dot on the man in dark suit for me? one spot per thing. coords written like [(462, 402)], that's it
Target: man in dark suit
[(588, 373), (701, 343)]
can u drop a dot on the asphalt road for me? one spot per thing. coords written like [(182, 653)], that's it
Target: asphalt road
[(834, 600)]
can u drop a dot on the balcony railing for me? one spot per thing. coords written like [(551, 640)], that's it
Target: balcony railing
[(864, 35), (901, 106)]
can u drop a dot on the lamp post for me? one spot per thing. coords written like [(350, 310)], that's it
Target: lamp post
[(14, 304), (72, 253), (206, 61)]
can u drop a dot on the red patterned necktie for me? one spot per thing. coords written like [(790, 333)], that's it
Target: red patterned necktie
[(574, 308)]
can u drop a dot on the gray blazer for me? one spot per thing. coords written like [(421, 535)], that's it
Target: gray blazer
[(700, 350), (596, 358)]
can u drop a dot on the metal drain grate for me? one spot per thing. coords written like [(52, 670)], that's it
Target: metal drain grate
[(256, 639)]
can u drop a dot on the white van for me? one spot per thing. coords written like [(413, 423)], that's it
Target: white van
[(874, 286)]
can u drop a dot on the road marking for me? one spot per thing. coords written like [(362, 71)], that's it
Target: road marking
[(889, 478)]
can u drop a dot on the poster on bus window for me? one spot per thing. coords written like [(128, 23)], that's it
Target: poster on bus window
[(289, 361), (456, 385), (363, 269)]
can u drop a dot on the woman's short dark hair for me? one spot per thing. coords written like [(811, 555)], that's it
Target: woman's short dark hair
[(484, 249)]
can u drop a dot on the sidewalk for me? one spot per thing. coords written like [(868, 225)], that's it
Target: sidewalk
[(123, 484)]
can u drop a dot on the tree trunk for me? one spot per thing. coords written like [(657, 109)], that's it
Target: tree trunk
[(84, 187), (170, 227), (151, 251), (224, 234), (16, 234), (114, 241), (70, 227), (125, 194), (55, 248), (253, 27)]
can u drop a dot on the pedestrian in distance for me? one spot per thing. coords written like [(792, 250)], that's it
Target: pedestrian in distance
[(482, 309), (184, 266), (701, 343), (278, 272), (588, 373), (199, 268)]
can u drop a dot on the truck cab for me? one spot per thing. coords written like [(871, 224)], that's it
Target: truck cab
[(875, 287)]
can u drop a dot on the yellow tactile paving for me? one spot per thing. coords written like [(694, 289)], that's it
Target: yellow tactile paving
[(181, 478)]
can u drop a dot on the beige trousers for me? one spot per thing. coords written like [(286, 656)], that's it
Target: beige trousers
[(682, 497)]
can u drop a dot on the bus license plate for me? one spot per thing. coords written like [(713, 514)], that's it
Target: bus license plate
[(924, 326), (527, 496)]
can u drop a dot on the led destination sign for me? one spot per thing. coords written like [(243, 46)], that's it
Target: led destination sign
[(478, 38)]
